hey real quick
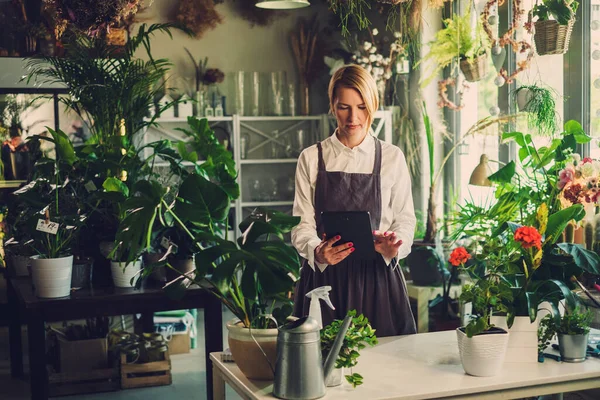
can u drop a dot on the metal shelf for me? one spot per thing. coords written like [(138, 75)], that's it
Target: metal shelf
[(266, 203), (270, 161), (184, 119)]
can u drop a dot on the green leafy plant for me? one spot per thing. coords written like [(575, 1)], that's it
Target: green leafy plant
[(355, 9), (575, 322), (359, 335), (540, 107), (562, 11), (456, 40)]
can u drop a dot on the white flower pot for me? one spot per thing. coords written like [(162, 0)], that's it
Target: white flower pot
[(51, 277), (523, 341), (335, 377), (123, 273), (524, 96), (482, 355)]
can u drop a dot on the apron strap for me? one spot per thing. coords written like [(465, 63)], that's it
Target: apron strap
[(321, 161), (377, 164)]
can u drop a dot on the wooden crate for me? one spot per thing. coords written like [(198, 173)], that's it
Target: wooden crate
[(155, 373), (94, 381)]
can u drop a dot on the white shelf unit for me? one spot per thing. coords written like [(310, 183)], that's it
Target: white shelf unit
[(272, 151)]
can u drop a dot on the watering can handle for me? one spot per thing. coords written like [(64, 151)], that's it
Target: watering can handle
[(337, 345)]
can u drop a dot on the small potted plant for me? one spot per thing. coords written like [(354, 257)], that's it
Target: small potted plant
[(572, 329), (540, 106), (554, 24), (359, 335), (482, 346)]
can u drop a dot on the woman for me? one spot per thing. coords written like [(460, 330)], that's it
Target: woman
[(353, 161)]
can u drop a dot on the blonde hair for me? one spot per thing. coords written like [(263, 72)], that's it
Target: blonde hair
[(355, 77)]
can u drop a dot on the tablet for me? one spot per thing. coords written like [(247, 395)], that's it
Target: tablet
[(352, 226)]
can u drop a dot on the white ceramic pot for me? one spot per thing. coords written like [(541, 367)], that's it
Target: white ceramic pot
[(335, 377), (482, 355), (524, 96), (51, 277), (523, 341), (247, 355), (123, 273)]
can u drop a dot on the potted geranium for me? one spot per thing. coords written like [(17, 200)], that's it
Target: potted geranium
[(482, 345), (359, 335)]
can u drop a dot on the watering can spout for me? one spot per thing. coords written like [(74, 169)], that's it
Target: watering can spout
[(335, 349)]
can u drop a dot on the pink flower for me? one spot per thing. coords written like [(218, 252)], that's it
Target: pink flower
[(586, 160), (565, 176)]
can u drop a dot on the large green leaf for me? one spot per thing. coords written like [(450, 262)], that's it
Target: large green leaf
[(115, 185), (248, 284), (585, 259), (201, 201), (558, 221), (279, 221), (504, 174), (63, 146)]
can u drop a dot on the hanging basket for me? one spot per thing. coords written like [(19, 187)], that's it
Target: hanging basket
[(476, 70), (552, 38)]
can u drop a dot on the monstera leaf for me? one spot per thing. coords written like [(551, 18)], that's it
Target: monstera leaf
[(201, 202)]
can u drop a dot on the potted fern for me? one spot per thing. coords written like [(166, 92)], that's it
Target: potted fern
[(458, 40), (554, 24)]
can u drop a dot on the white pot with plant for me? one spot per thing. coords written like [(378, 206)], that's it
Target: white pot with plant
[(482, 346), (359, 335), (53, 221), (572, 330)]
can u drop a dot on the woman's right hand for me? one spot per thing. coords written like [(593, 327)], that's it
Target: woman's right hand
[(327, 253)]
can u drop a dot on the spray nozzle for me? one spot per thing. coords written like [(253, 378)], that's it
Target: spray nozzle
[(320, 293)]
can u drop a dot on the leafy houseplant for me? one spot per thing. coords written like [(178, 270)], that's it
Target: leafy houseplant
[(562, 11), (540, 106), (572, 329), (554, 24), (456, 40), (359, 335)]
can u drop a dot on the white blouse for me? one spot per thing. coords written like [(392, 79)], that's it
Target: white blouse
[(397, 210)]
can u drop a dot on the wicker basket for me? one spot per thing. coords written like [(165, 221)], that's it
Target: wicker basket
[(552, 38), (476, 70)]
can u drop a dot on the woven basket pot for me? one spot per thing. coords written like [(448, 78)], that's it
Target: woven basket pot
[(552, 38), (476, 70)]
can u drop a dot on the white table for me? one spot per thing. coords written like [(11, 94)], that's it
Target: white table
[(422, 295), (427, 366)]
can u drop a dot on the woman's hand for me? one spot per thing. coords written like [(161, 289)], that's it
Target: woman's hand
[(387, 244), (327, 253)]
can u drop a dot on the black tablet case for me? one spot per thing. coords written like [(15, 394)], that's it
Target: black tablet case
[(352, 226)]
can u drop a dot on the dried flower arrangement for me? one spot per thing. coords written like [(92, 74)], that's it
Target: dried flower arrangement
[(95, 17), (213, 75), (199, 16)]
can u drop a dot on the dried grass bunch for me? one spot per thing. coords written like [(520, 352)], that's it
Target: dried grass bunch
[(199, 16)]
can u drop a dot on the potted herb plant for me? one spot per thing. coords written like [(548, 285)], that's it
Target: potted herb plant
[(572, 329), (458, 40), (540, 106), (554, 24), (359, 335)]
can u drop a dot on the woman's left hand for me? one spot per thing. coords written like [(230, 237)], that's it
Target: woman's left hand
[(387, 243)]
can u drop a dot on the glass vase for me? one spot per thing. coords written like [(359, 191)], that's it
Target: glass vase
[(277, 92), (305, 98), (255, 96), (239, 92)]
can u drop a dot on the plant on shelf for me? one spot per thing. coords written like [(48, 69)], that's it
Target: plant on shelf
[(457, 40), (540, 106), (359, 335)]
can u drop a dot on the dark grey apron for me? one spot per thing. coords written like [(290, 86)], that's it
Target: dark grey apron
[(371, 288)]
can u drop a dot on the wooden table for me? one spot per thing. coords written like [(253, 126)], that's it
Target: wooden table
[(427, 366), (423, 295), (26, 308)]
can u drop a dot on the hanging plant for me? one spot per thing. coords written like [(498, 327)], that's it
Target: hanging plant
[(356, 11), (507, 39), (540, 106), (199, 16)]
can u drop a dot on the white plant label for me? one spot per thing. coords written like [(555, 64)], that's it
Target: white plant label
[(47, 226), (90, 187), (166, 243)]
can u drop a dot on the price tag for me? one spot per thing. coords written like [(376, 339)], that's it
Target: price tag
[(90, 187), (47, 226), (166, 243)]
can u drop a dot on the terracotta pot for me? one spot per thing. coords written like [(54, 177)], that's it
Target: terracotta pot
[(247, 355)]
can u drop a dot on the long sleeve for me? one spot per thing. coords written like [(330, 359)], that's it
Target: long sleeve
[(304, 236), (401, 203)]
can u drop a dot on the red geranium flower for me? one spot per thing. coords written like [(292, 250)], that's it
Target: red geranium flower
[(529, 237), (459, 256)]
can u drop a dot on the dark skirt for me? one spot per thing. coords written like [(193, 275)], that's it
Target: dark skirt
[(371, 288)]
